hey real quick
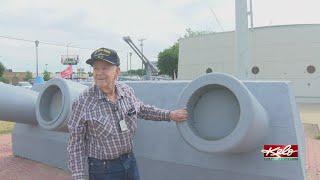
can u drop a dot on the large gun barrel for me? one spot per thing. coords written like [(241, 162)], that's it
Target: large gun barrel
[(17, 104), (224, 115), (54, 103)]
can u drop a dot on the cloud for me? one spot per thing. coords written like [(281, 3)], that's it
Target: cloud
[(90, 24), (100, 23)]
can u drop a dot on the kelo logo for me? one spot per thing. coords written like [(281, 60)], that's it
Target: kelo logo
[(280, 152)]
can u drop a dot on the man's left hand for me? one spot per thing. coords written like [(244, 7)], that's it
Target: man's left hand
[(179, 115)]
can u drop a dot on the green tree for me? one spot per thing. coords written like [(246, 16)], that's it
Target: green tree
[(4, 80), (190, 33), (46, 75), (168, 61), (2, 68), (209, 70), (28, 76), (168, 58), (137, 72), (141, 72)]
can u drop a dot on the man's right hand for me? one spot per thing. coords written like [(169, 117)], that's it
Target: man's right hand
[(178, 115)]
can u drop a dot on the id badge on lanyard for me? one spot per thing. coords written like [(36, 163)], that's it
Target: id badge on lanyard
[(123, 125)]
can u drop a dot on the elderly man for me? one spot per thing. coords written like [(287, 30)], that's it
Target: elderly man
[(104, 120)]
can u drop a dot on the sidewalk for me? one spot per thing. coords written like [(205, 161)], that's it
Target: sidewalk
[(313, 159), (16, 168)]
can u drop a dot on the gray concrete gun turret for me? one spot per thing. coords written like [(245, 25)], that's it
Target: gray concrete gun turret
[(230, 121)]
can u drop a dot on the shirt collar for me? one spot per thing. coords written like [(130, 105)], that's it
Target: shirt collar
[(99, 93), (119, 90)]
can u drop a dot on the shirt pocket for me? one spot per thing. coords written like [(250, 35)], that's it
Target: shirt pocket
[(132, 119), (101, 126)]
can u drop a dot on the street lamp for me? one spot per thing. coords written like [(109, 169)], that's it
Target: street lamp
[(37, 62), (38, 79), (130, 54)]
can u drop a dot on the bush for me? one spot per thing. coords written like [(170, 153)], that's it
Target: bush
[(4, 80), (2, 68)]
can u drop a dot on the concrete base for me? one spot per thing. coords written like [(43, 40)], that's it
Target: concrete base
[(155, 169), (40, 145), (163, 154)]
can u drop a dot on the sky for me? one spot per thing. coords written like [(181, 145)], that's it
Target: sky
[(102, 23)]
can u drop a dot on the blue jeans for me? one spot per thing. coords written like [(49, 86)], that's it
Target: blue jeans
[(123, 168)]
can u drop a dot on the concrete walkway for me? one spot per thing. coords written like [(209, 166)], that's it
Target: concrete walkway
[(313, 159), (16, 168)]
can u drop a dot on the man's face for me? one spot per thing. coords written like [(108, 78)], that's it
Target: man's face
[(105, 74)]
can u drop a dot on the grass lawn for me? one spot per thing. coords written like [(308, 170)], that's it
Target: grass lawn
[(6, 127)]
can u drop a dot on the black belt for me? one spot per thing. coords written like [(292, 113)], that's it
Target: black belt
[(121, 157)]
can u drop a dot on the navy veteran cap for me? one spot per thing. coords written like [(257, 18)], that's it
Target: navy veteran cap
[(104, 54)]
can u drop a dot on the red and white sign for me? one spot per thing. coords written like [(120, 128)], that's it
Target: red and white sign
[(280, 152), (67, 72)]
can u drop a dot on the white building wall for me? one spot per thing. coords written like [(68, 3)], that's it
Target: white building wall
[(280, 52), (198, 54)]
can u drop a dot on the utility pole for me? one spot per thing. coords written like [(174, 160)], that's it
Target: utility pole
[(46, 67), (68, 57), (130, 54), (141, 45), (37, 60)]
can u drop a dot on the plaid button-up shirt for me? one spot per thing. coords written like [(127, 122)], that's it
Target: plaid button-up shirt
[(94, 125)]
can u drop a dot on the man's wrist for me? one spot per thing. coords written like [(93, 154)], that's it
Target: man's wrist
[(168, 115)]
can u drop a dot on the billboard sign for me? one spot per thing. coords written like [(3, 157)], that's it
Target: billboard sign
[(70, 59)]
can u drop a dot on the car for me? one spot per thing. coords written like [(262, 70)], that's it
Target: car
[(24, 84)]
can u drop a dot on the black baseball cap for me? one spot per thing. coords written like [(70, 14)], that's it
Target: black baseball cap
[(104, 54)]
